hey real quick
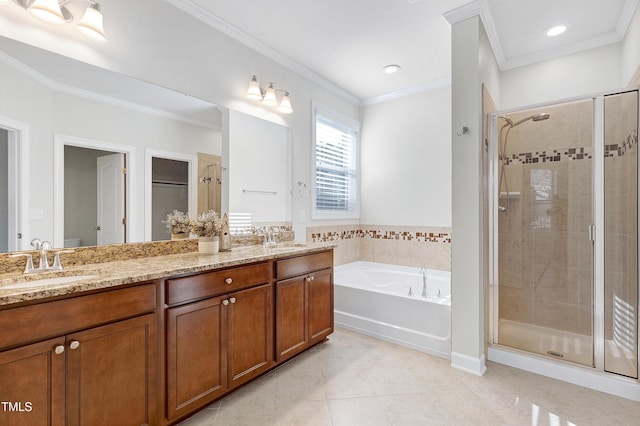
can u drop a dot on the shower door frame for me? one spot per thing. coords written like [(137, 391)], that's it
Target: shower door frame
[(598, 221)]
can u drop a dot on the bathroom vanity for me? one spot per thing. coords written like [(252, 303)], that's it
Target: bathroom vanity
[(153, 340)]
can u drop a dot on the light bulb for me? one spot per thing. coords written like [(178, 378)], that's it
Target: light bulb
[(285, 104), (47, 11), (254, 90), (270, 95), (91, 23)]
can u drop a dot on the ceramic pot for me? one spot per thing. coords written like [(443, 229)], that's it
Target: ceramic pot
[(208, 245)]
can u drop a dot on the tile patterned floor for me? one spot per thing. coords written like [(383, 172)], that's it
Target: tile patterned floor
[(354, 380)]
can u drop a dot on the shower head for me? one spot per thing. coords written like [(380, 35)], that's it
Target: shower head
[(541, 116), (536, 117)]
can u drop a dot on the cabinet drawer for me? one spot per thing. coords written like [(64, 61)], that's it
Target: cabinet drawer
[(50, 319), (303, 264), (215, 283)]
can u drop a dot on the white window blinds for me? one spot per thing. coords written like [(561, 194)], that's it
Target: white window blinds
[(336, 168)]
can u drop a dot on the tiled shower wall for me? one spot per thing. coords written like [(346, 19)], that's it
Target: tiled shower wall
[(422, 247)]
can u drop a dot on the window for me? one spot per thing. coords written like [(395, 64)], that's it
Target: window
[(335, 165)]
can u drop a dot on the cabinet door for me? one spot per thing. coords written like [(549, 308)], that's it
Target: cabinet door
[(320, 305), (250, 351), (291, 321), (32, 384), (196, 355), (111, 374)]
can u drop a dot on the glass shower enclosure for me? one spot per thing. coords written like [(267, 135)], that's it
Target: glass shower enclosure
[(564, 234)]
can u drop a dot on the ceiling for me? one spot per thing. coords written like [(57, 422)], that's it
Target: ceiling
[(347, 43)]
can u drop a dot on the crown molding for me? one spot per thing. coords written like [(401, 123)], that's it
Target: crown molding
[(93, 96), (625, 17), (559, 51), (419, 88), (463, 12), (237, 34)]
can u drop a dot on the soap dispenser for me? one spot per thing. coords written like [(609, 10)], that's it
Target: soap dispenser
[(225, 237)]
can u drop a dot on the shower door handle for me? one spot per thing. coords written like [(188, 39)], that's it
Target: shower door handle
[(592, 233)]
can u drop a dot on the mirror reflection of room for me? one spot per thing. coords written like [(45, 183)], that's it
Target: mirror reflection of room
[(4, 190), (94, 197), (209, 182)]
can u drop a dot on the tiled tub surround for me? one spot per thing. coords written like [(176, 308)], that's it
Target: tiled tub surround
[(115, 271), (421, 247)]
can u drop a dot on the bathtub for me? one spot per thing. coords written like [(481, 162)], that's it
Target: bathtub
[(385, 301)]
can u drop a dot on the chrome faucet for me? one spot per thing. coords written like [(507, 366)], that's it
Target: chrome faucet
[(425, 293), (45, 246)]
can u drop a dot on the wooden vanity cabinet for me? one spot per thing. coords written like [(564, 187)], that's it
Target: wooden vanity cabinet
[(219, 342), (304, 302), (101, 374)]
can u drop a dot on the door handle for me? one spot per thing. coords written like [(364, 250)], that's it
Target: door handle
[(96, 228)]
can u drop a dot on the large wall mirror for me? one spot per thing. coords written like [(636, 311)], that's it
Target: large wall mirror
[(66, 125)]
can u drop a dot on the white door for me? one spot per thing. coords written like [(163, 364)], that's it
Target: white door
[(111, 206)]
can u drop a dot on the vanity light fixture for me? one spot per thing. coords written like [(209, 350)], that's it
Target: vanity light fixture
[(55, 12), (268, 96)]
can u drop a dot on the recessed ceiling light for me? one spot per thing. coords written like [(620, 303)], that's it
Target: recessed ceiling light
[(390, 69), (556, 30)]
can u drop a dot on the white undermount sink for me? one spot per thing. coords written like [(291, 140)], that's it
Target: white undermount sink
[(47, 281)]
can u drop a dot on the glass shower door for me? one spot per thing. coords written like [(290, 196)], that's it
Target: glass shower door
[(621, 234), (545, 214)]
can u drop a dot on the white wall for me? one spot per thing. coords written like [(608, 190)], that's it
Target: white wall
[(591, 71), (631, 48), (48, 113), (467, 340), (406, 161)]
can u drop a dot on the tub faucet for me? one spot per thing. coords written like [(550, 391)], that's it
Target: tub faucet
[(425, 293)]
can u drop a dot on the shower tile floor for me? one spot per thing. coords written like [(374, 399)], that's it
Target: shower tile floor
[(355, 380)]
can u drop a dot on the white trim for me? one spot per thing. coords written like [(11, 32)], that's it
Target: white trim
[(97, 97), (419, 88), (19, 151), (468, 363), (582, 376), (237, 34), (59, 142), (464, 12), (192, 161)]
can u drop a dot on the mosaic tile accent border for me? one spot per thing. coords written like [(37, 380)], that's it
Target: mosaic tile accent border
[(419, 236), (618, 150), (584, 153), (552, 156)]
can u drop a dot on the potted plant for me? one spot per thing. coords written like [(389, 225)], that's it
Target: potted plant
[(207, 228), (178, 224)]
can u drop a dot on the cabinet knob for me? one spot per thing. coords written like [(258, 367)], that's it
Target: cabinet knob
[(313, 277), (232, 300), (307, 279), (228, 280), (74, 344), (225, 302), (58, 350)]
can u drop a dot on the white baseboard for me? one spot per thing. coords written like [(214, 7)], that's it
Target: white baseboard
[(468, 363)]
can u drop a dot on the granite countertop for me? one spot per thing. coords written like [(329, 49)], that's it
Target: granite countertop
[(113, 274)]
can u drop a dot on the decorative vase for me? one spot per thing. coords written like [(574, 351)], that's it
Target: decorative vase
[(180, 236), (208, 245)]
